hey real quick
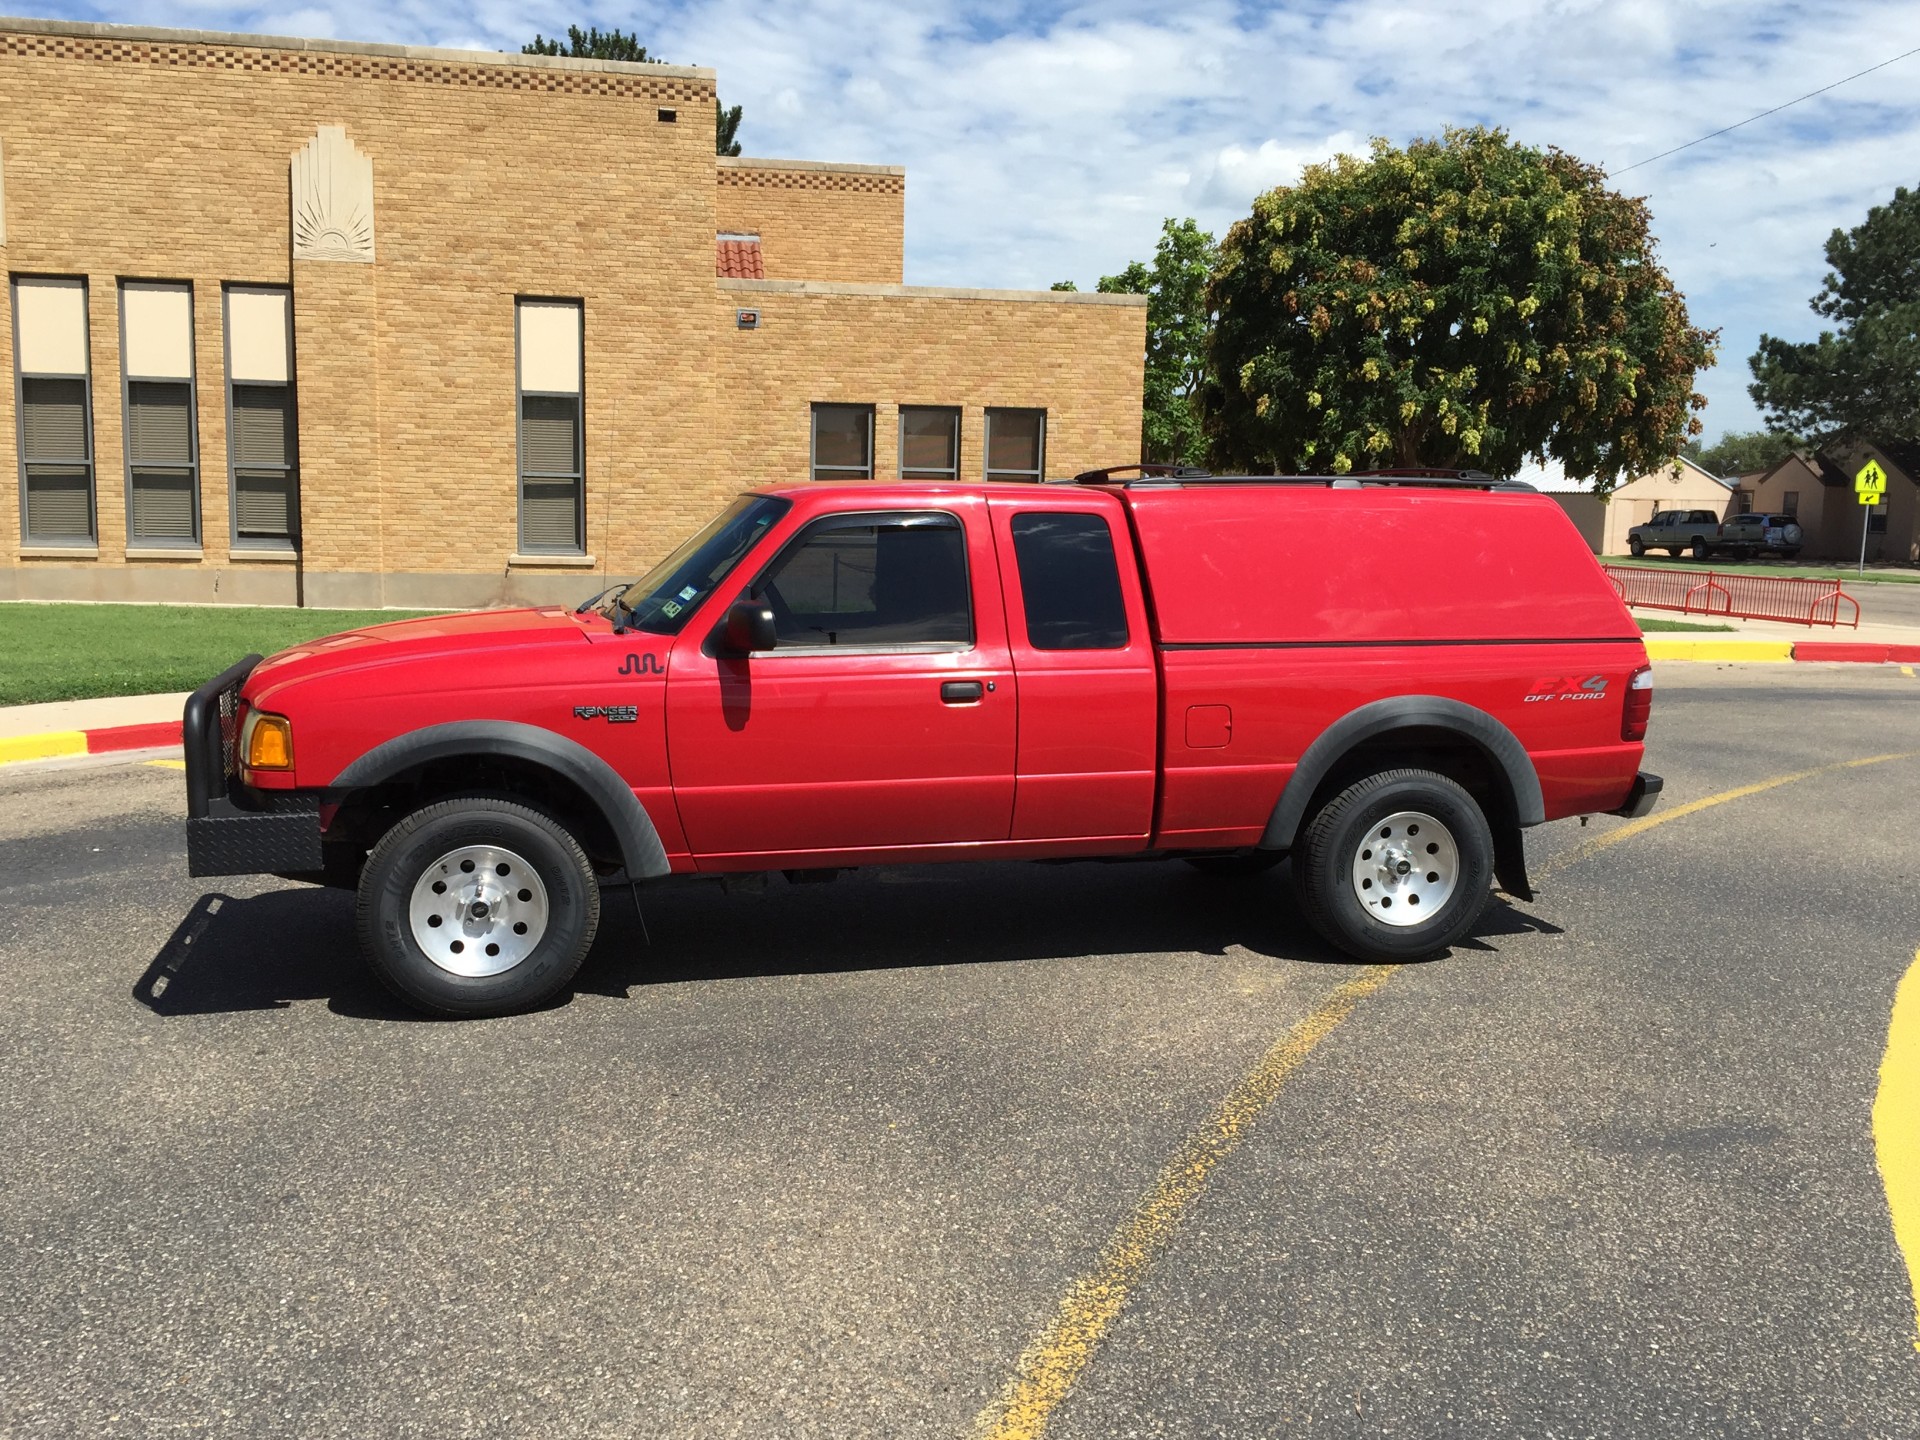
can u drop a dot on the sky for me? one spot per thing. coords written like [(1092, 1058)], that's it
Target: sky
[(1047, 142)]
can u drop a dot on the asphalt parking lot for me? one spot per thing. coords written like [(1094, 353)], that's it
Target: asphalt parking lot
[(829, 1161)]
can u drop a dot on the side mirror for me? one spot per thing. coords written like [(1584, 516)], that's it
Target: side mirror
[(749, 628)]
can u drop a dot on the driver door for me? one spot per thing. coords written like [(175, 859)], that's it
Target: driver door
[(883, 720)]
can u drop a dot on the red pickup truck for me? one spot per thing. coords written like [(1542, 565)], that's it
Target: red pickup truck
[(1387, 678)]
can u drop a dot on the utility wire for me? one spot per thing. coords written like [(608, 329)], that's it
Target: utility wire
[(1763, 114)]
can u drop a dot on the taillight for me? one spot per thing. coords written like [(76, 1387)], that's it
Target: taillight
[(1633, 723)]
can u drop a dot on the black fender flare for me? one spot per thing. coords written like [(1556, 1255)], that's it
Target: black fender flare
[(1428, 712), (642, 853)]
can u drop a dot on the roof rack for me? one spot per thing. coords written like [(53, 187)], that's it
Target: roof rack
[(1420, 476), (1170, 472)]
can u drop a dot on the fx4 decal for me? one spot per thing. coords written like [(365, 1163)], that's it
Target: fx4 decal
[(1567, 687), (648, 664), (612, 714)]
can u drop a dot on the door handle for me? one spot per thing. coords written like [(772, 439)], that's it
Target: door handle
[(961, 692)]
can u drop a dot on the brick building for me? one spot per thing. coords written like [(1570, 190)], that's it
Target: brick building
[(336, 324)]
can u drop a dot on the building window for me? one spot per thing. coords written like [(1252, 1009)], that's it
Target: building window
[(1877, 519), (929, 442), (156, 367), (1743, 502), (843, 442), (1016, 444), (262, 434), (552, 458), (1790, 502), (54, 403)]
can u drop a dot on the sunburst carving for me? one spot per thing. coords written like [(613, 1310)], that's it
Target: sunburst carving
[(332, 199)]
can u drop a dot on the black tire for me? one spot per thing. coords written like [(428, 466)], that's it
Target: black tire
[(1336, 837), (411, 849), (1636, 546), (1236, 867), (1673, 553), (1700, 549)]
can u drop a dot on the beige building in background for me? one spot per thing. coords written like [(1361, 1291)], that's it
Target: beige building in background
[(1677, 485), (335, 324)]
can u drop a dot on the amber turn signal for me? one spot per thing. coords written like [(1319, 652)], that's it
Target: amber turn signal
[(269, 742)]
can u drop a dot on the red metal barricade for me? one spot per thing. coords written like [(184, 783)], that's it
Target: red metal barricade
[(1794, 599)]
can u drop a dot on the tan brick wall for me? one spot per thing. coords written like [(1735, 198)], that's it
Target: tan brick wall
[(137, 159), (1078, 361), (135, 156), (818, 222)]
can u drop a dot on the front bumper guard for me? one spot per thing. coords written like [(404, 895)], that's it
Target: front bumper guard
[(232, 830), (1641, 799)]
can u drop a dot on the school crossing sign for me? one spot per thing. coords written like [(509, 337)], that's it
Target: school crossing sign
[(1870, 483)]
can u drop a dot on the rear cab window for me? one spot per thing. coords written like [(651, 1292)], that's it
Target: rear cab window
[(1069, 581)]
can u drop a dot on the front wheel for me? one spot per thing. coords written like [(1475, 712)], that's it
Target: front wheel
[(477, 906), (1397, 866), (1636, 545)]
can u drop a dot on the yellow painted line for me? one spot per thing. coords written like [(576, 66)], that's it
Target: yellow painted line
[(1907, 670), (1694, 807), (168, 764), (48, 746), (1896, 1126), (1051, 1365), (1053, 1362), (1667, 647)]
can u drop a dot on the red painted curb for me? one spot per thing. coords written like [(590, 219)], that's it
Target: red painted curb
[(1859, 651), (133, 737)]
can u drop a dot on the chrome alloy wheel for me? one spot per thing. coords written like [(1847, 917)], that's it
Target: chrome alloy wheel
[(1406, 868), (478, 910)]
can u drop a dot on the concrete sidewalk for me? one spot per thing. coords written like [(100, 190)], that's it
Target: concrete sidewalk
[(70, 715)]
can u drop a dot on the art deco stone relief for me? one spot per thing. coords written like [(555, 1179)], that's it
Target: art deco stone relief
[(332, 199)]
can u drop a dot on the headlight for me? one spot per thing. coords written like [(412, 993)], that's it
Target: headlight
[(266, 742)]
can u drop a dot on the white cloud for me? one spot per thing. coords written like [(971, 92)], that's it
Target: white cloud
[(1048, 144), (1236, 173)]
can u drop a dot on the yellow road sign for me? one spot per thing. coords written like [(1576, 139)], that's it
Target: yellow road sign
[(1870, 483)]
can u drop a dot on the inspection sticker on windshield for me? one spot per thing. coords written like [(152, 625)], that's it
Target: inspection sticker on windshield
[(689, 592), (670, 608)]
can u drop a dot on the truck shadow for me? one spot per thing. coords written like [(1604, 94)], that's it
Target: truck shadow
[(264, 952), (964, 915)]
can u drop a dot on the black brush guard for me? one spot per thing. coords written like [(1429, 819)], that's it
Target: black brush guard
[(231, 828)]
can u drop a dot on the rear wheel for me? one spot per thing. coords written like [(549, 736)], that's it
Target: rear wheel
[(1397, 866), (477, 906), (1701, 550)]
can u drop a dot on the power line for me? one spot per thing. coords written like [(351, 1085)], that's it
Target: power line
[(1763, 114)]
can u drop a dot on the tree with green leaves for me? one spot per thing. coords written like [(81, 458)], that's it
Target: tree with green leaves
[(1741, 452), (726, 126), (1861, 380), (1466, 302), (595, 44), (1175, 285)]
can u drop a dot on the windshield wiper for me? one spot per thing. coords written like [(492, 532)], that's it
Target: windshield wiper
[(609, 603)]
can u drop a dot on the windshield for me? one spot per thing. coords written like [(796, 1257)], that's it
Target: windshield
[(662, 601)]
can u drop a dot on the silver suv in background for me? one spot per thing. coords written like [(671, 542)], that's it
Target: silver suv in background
[(1746, 536), (1695, 531)]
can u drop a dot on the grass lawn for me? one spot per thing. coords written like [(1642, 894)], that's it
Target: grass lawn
[(1648, 627), (72, 652), (1783, 569)]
